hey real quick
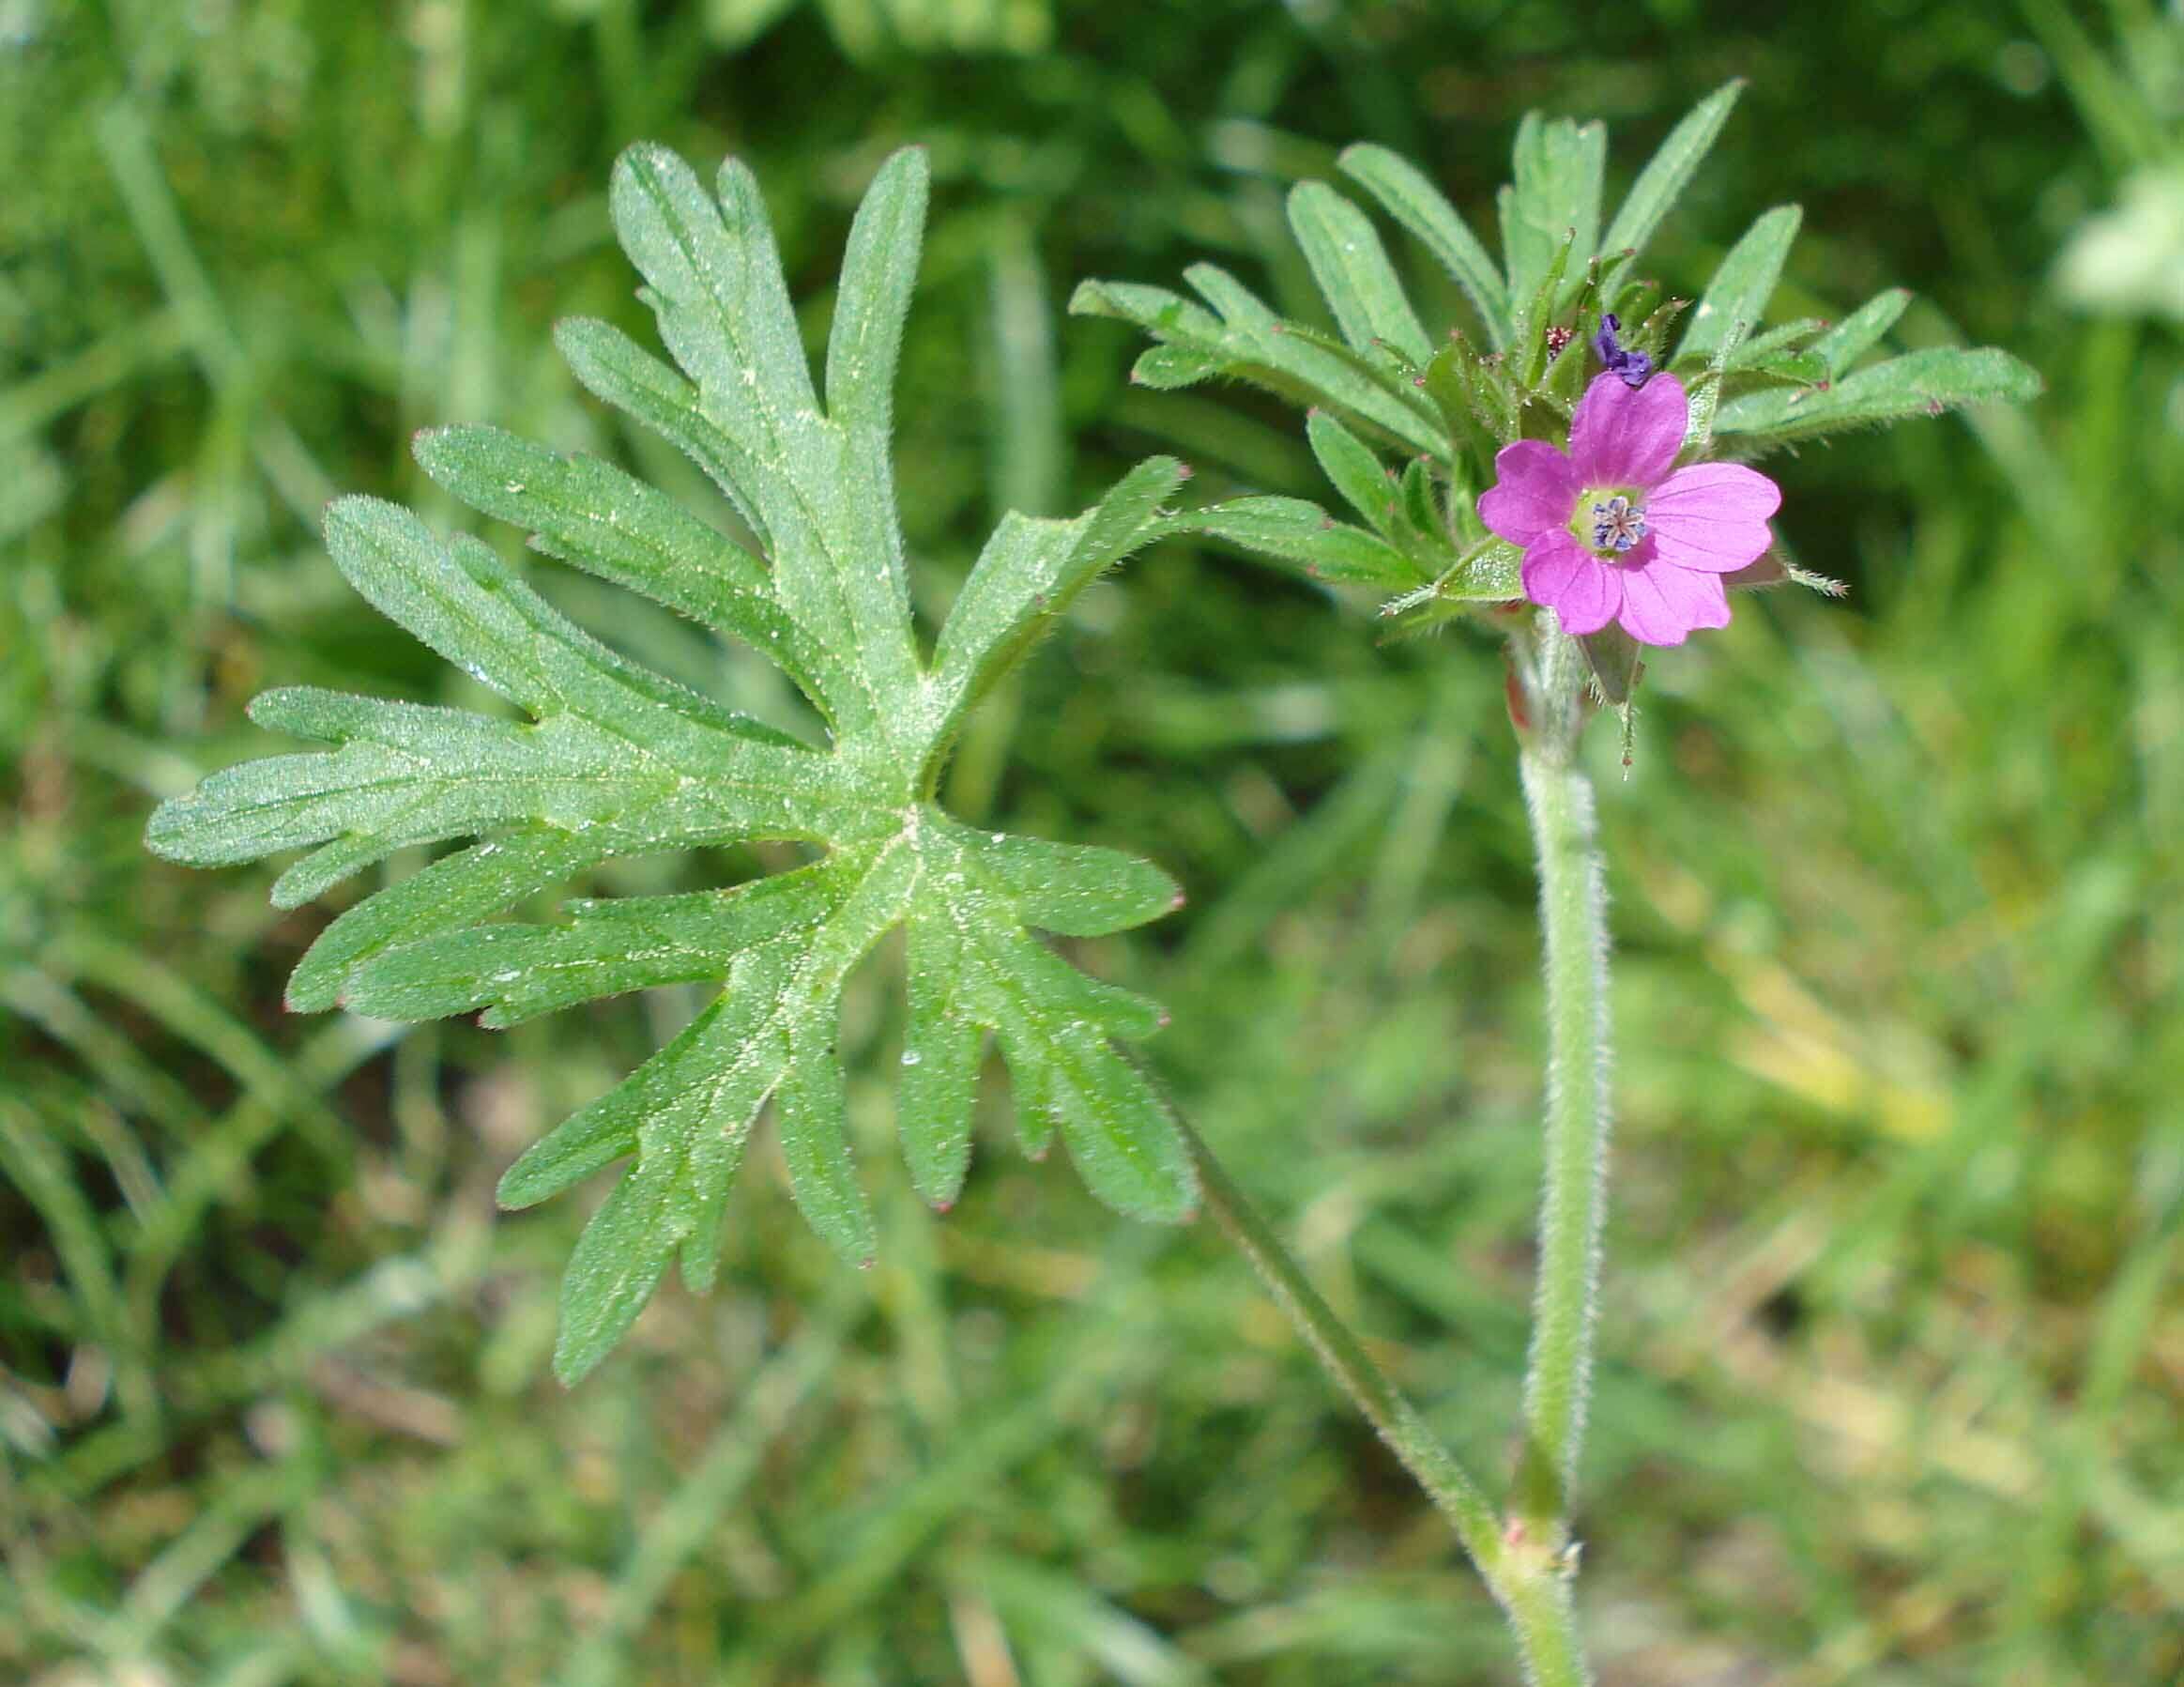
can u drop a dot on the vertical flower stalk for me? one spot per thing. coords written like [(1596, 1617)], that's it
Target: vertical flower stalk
[(1573, 919)]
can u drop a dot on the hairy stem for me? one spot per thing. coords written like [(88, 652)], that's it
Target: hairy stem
[(1572, 908), (1526, 1577)]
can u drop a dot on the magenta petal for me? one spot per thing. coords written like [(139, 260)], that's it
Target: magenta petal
[(1712, 517), (1721, 491), (1711, 546), (1583, 592), (1626, 436), (1662, 604), (1534, 490)]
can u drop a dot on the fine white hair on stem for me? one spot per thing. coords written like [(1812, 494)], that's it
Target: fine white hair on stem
[(1573, 916)]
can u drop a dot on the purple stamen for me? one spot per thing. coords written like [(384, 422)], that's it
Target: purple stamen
[(1632, 366), (1617, 523)]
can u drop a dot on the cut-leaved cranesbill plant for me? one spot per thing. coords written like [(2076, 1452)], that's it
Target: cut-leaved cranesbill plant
[(1553, 456), (608, 760), (1572, 475)]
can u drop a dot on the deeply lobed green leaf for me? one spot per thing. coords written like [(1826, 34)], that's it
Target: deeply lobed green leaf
[(606, 758)]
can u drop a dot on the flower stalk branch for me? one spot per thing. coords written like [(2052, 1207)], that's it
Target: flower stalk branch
[(1526, 1573)]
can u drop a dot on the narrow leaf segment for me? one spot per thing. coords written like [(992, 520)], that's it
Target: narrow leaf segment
[(604, 759)]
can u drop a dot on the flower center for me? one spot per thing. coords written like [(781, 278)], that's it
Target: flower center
[(1612, 523)]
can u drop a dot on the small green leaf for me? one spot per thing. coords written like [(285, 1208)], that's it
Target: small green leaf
[(1029, 572), (1918, 383), (1031, 1089), (1169, 368), (455, 890), (941, 1045), (1738, 295), (1421, 511), (1787, 369), (1054, 1033), (1653, 333), (1860, 332), (1299, 531), (1155, 309), (1490, 572), (1552, 207), (1662, 182), (618, 1263), (1706, 393), (1073, 890), (1355, 274), (1246, 341), (1615, 660), (1474, 399), (1785, 340), (1408, 197), (717, 286), (586, 511), (815, 1141), (714, 1077), (613, 367), (516, 972), (1535, 314), (1357, 474), (880, 270)]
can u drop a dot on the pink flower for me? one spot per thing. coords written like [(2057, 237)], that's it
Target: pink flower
[(1613, 530)]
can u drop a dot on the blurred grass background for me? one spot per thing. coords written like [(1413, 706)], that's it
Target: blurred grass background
[(1893, 1338)]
